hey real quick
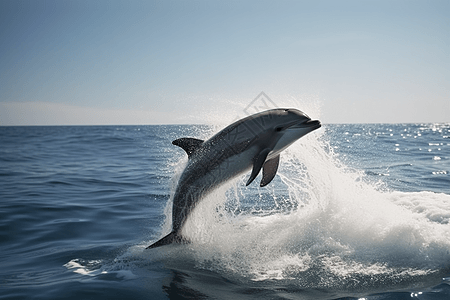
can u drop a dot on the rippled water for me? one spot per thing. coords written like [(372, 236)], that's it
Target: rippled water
[(356, 211)]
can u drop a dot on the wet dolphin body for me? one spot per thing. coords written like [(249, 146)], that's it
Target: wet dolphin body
[(254, 142)]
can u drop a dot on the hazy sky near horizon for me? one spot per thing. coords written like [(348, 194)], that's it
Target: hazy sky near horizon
[(161, 62)]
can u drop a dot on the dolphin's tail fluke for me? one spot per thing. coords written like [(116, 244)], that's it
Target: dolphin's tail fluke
[(172, 237)]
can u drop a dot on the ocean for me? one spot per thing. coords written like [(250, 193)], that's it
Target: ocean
[(357, 211)]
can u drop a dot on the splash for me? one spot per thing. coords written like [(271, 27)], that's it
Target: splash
[(321, 224)]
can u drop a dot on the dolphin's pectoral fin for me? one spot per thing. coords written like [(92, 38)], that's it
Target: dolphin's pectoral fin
[(258, 163), (270, 170), (188, 144)]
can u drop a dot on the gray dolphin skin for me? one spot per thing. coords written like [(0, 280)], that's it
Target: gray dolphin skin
[(254, 142)]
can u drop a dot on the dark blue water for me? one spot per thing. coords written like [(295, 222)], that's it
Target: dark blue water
[(358, 211)]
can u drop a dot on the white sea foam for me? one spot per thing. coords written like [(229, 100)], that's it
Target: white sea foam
[(339, 226), (88, 268), (324, 225), (100, 269)]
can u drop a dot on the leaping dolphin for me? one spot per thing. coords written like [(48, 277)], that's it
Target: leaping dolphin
[(254, 142)]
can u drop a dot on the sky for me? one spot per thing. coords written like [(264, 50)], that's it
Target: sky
[(180, 62)]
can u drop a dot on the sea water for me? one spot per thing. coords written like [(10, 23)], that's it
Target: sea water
[(356, 211)]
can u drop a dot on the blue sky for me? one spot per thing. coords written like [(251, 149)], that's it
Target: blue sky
[(161, 62)]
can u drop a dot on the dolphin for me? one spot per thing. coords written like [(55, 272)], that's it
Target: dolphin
[(254, 142)]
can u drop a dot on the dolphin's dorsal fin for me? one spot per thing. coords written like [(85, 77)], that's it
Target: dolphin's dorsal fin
[(188, 144), (258, 162), (270, 170)]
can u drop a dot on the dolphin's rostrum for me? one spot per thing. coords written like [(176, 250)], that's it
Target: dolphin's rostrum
[(254, 142)]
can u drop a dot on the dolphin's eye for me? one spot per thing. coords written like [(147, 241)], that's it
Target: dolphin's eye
[(279, 128)]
